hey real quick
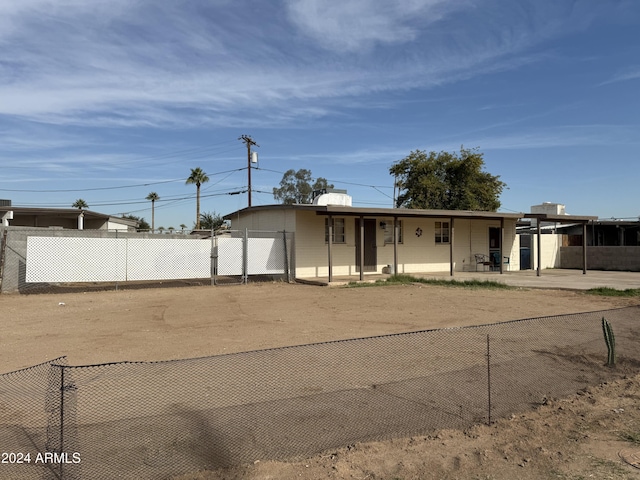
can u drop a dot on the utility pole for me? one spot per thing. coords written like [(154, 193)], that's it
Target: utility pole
[(248, 142)]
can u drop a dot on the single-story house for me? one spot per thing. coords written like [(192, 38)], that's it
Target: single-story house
[(70, 218), (335, 240)]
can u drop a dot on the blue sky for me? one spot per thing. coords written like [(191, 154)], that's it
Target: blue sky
[(109, 100)]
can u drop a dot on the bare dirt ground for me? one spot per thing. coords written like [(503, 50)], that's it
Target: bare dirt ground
[(572, 438)]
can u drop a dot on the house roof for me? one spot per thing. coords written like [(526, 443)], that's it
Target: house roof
[(415, 213), (380, 212), (70, 213)]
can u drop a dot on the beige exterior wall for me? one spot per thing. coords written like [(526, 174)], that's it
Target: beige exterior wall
[(269, 220), (415, 253), (312, 256), (550, 243)]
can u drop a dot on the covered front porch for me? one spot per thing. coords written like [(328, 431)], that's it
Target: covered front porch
[(469, 255), (417, 241)]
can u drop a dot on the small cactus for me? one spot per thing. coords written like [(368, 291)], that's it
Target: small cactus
[(610, 340)]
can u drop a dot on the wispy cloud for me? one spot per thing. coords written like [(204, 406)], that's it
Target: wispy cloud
[(347, 26), (631, 74), (142, 63), (563, 136)]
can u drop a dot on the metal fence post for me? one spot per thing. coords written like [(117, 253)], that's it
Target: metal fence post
[(62, 390), (488, 381), (3, 247), (286, 257), (245, 255), (116, 260), (214, 259)]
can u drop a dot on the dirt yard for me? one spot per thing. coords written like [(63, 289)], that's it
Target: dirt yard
[(572, 438)]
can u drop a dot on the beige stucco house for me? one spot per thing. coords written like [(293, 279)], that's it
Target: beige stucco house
[(335, 240)]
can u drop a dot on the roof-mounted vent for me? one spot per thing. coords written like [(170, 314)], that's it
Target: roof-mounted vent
[(331, 196)]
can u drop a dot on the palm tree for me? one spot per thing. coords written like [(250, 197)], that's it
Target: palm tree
[(197, 177), (80, 204), (153, 196), (182, 227)]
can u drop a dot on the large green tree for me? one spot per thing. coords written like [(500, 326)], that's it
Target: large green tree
[(296, 187), (197, 178), (447, 181)]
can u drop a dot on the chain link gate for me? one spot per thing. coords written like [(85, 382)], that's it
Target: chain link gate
[(240, 255)]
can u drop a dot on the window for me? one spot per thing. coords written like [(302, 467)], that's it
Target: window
[(388, 232), (338, 230), (442, 232)]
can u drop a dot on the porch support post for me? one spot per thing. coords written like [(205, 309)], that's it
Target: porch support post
[(451, 246), (361, 248), (539, 246), (501, 258), (396, 229), (584, 248), (329, 244)]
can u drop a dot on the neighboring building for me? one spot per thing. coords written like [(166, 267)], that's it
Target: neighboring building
[(334, 238), (607, 233), (69, 218)]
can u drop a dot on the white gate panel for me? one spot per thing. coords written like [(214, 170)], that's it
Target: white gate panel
[(64, 259), (168, 259), (229, 251), (265, 256)]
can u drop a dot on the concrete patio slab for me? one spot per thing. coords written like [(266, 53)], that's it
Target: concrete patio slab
[(551, 278)]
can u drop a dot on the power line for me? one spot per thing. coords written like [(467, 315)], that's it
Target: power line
[(91, 189), (330, 180), (114, 188), (137, 202), (181, 155)]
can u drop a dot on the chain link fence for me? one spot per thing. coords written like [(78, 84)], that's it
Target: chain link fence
[(52, 260), (157, 420), (240, 255)]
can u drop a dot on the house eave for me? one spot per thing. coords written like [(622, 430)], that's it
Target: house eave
[(380, 212)]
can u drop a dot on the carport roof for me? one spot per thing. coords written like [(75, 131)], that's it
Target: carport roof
[(546, 217)]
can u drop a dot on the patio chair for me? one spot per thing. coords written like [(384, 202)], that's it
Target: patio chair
[(495, 262), (482, 260), (507, 261)]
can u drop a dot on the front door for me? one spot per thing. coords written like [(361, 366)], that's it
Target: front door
[(370, 257), (494, 247)]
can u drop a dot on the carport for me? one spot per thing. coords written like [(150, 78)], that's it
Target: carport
[(572, 219)]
